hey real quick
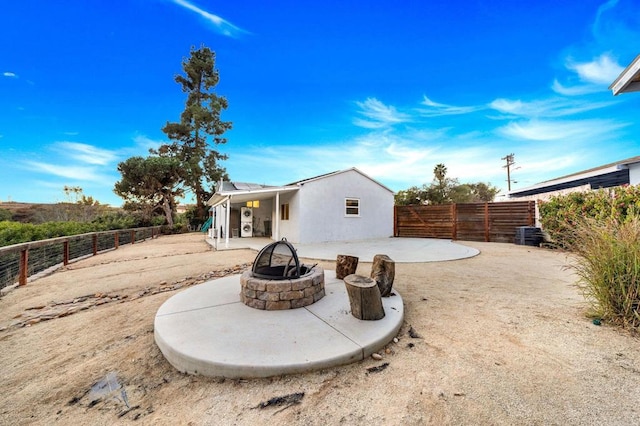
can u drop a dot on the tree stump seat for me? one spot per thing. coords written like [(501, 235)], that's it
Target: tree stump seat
[(345, 265), (383, 271), (364, 297)]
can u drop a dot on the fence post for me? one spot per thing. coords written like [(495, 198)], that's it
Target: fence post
[(486, 222), (94, 237), (116, 240), (24, 266), (454, 218), (65, 254), (532, 213), (133, 237), (395, 221)]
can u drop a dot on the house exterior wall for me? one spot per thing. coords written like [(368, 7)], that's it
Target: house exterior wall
[(634, 174), (261, 215), (320, 209), (289, 229)]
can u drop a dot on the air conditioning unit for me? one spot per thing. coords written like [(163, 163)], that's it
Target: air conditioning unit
[(246, 215), (246, 230), (528, 236)]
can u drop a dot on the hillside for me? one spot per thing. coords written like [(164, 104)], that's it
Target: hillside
[(40, 212)]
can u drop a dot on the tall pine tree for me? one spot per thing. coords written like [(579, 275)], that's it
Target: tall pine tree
[(199, 128)]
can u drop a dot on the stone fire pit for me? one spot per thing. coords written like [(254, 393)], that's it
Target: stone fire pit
[(271, 295), (279, 281)]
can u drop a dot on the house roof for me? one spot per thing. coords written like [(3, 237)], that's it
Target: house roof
[(326, 175), (608, 172), (628, 80), (243, 192)]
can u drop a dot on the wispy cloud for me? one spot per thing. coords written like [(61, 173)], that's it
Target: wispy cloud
[(80, 173), (565, 131), (10, 74), (398, 158), (616, 22), (593, 76), (146, 143), (85, 153), (601, 70), (378, 115), (551, 107), (435, 109), (221, 25), (576, 90)]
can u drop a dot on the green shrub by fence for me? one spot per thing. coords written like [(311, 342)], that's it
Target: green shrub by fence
[(560, 214), (602, 229), (608, 266)]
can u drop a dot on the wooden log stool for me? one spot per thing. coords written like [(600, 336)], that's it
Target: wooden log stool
[(364, 297), (383, 271), (345, 265)]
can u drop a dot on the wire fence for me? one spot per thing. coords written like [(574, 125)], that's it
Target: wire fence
[(20, 261)]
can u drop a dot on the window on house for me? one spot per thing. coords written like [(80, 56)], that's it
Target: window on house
[(284, 211), (352, 207)]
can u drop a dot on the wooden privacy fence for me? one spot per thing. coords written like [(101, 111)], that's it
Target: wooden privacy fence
[(20, 261), (496, 222)]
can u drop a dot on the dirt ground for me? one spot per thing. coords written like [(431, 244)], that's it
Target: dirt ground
[(501, 338)]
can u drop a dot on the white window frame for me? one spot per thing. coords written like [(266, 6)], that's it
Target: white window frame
[(348, 207)]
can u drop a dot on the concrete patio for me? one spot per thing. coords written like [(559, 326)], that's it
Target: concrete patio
[(401, 250)]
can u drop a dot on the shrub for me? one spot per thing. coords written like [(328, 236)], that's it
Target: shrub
[(5, 215), (15, 232), (117, 220), (608, 266), (560, 214)]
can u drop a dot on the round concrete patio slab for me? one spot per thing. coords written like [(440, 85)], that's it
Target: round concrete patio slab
[(207, 330), (401, 250)]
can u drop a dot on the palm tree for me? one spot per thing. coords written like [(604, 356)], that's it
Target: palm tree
[(440, 172)]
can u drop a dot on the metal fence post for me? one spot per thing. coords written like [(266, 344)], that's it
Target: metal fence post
[(24, 266), (65, 253)]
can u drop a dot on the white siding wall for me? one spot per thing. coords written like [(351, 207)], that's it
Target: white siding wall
[(289, 229), (260, 215), (322, 210), (634, 174)]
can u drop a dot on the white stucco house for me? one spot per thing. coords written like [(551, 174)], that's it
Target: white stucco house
[(338, 206)]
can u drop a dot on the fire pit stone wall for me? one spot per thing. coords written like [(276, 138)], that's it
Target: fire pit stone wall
[(272, 295)]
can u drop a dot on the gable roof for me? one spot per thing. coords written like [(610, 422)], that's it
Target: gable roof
[(243, 191), (628, 80), (326, 175)]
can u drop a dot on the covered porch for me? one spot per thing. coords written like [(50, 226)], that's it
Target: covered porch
[(242, 212)]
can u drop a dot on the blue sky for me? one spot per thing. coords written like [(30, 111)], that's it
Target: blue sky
[(390, 87)]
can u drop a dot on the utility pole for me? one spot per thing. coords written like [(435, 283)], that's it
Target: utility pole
[(509, 158)]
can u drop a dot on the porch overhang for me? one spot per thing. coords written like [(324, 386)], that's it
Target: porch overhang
[(242, 196)]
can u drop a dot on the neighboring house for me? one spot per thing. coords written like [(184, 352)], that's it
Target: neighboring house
[(625, 172), (628, 80), (182, 208), (338, 206)]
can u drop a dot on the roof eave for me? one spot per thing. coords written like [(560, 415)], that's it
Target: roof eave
[(628, 80), (220, 197)]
